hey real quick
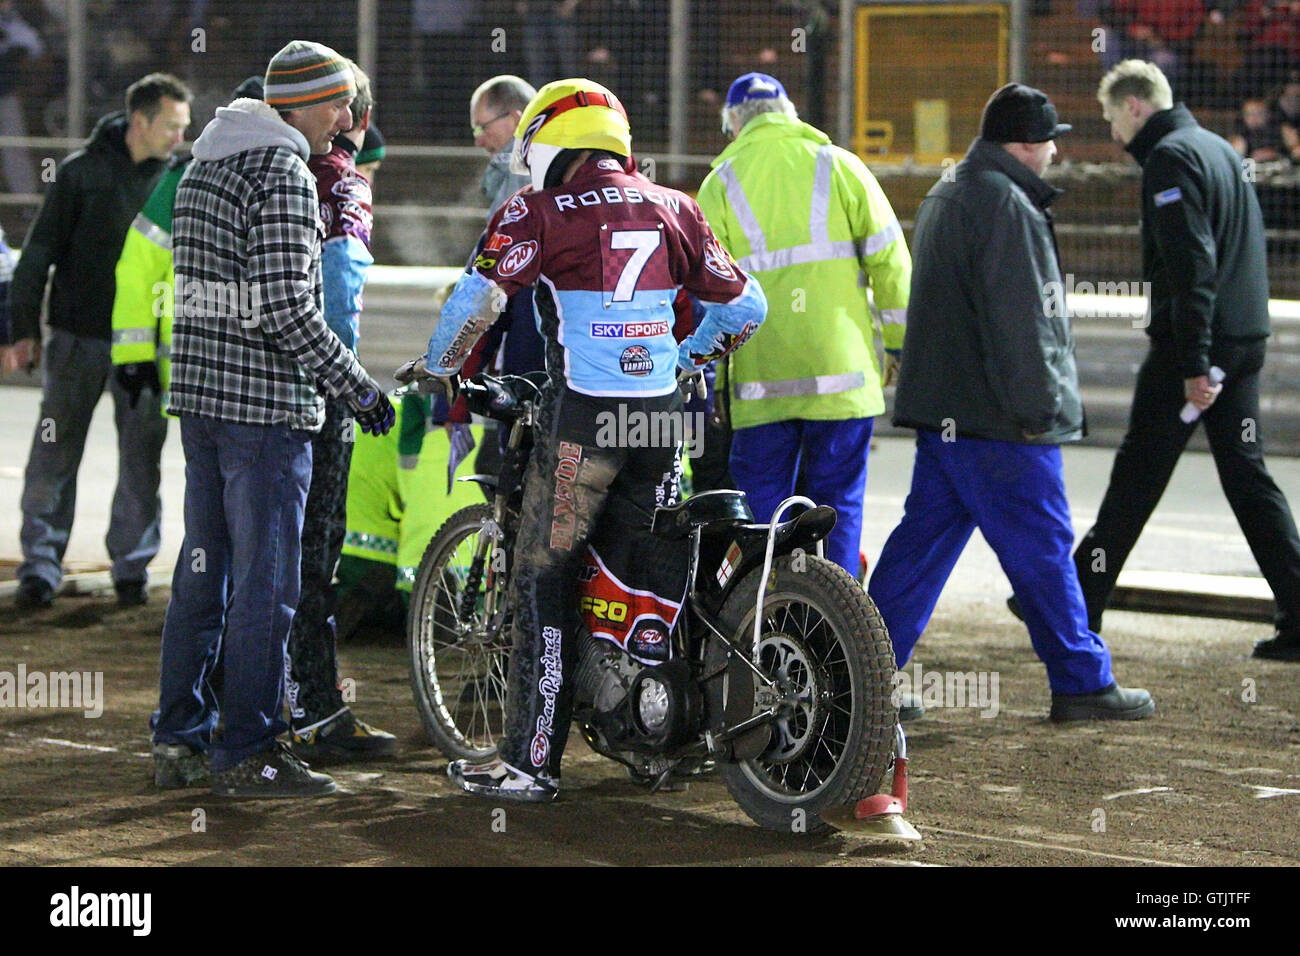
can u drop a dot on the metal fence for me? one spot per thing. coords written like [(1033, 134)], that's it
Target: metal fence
[(901, 82)]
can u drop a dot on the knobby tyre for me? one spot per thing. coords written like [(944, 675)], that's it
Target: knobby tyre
[(458, 672), (823, 636)]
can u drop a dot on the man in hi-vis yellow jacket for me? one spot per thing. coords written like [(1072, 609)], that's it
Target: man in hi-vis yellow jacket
[(808, 219)]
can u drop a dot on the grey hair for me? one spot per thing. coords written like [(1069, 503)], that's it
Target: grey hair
[(735, 118), (504, 92)]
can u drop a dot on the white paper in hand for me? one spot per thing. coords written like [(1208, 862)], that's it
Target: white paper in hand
[(1190, 412)]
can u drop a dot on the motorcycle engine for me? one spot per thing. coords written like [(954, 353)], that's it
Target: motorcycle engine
[(646, 709)]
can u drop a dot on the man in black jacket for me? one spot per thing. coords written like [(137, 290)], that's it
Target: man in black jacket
[(79, 231), (1203, 254), (989, 382)]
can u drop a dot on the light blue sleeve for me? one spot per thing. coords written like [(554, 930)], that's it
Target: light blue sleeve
[(468, 312), (726, 326), (344, 262)]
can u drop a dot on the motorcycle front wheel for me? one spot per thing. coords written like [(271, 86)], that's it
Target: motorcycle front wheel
[(823, 641), (458, 669)]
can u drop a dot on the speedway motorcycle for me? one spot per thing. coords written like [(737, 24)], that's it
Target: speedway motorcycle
[(775, 667)]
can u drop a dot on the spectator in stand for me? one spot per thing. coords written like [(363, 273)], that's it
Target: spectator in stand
[(632, 37), (1286, 112), (550, 38), (1270, 39), (1162, 31), (1258, 135), (19, 44), (441, 39)]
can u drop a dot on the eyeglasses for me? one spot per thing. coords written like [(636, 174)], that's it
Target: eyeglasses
[(480, 130)]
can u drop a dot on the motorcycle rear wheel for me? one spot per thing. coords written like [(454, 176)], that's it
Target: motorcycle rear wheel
[(824, 639), (458, 672)]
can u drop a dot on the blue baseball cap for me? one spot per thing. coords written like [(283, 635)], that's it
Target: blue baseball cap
[(754, 86)]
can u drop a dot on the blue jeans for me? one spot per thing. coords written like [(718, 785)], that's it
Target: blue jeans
[(235, 587), (765, 464), (1015, 495)]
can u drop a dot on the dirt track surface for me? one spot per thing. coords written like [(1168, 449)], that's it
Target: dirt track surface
[(1211, 779)]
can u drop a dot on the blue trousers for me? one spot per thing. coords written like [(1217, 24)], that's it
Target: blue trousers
[(235, 587), (765, 465), (1015, 495)]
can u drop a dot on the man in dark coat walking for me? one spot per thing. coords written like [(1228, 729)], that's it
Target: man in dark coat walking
[(988, 380), (1204, 257)]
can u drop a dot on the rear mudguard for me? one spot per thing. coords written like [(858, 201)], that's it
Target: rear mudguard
[(729, 553)]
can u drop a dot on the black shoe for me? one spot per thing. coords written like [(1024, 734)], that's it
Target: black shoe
[(1110, 703), (131, 593), (275, 772), (910, 707), (1279, 647), (342, 738), (33, 594), (176, 766)]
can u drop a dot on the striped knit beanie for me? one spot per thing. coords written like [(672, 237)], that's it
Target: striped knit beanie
[(307, 74)]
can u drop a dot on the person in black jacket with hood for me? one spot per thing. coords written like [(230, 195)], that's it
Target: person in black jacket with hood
[(988, 381), (1203, 254), (79, 231)]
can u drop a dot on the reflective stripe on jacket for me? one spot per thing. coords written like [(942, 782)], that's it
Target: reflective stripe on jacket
[(143, 300), (808, 219)]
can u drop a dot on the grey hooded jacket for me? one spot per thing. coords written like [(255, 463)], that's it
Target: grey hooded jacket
[(989, 352), (249, 342)]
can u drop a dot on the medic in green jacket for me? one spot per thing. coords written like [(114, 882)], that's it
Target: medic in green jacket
[(808, 220), (142, 305)]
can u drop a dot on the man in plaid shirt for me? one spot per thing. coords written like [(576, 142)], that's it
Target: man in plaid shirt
[(251, 354)]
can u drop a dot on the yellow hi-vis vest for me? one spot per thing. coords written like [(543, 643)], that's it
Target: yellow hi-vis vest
[(142, 304), (812, 224)]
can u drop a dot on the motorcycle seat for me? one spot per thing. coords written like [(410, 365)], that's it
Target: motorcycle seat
[(709, 507)]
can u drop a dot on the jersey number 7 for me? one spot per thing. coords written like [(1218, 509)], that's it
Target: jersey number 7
[(624, 274)]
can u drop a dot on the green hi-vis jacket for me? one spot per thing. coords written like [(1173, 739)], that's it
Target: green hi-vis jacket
[(142, 306), (808, 219)]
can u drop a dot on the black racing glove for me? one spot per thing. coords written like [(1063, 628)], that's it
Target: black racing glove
[(137, 377), (374, 412)]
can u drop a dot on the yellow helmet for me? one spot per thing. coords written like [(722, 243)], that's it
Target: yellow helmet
[(569, 114)]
